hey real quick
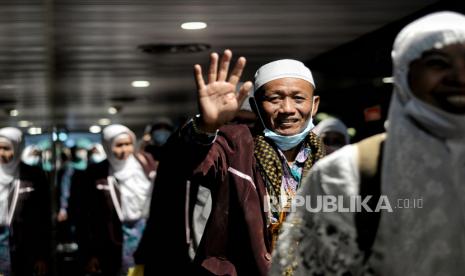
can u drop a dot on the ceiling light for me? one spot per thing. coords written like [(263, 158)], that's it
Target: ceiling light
[(34, 131), (140, 83), (112, 110), (104, 121), (388, 80), (95, 129), (194, 25), (14, 113), (24, 123)]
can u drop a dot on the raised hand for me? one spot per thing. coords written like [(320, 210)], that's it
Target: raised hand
[(218, 100)]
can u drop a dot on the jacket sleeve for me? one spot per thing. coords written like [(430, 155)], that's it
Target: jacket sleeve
[(185, 156), (196, 153)]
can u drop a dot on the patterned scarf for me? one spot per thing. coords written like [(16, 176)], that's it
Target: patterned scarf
[(270, 164), (271, 168)]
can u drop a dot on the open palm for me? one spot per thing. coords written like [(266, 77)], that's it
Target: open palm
[(218, 99)]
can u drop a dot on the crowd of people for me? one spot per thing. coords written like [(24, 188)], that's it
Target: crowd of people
[(232, 190)]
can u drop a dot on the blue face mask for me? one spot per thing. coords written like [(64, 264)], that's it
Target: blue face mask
[(288, 142), (160, 136)]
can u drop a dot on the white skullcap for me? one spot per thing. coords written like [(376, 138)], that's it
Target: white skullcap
[(284, 68), (15, 137)]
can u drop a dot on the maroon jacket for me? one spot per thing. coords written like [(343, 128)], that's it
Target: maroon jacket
[(235, 240)]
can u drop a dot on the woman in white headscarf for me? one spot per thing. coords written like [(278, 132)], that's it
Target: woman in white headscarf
[(24, 212), (334, 134), (423, 165), (117, 202)]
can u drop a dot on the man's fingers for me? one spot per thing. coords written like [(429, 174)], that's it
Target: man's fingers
[(198, 77), (243, 93), (224, 65), (213, 67), (237, 71)]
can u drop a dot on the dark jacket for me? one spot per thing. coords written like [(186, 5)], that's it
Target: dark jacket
[(30, 228), (235, 241), (99, 229)]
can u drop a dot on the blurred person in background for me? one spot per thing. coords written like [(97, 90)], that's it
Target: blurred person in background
[(70, 175), (115, 203), (155, 137), (333, 132), (96, 153), (46, 158), (422, 157), (77, 163), (31, 155), (245, 115), (24, 211)]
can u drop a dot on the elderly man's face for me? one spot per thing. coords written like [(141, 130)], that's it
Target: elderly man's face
[(438, 78), (286, 105)]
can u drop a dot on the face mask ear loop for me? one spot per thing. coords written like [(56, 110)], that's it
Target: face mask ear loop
[(313, 104), (252, 99), (311, 114)]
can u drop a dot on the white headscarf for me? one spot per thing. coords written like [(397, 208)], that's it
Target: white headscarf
[(426, 163), (14, 137), (9, 171), (135, 187), (332, 124), (110, 133)]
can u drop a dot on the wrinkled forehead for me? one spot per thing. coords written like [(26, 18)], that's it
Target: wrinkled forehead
[(286, 85)]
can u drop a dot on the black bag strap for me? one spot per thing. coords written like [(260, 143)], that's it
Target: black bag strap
[(370, 159)]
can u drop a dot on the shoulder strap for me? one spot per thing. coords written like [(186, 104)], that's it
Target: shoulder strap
[(370, 157), (369, 152), (149, 165)]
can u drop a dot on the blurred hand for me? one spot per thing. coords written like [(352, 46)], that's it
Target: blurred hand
[(218, 100), (62, 215)]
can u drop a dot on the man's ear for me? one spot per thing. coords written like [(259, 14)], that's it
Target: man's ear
[(316, 104)]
